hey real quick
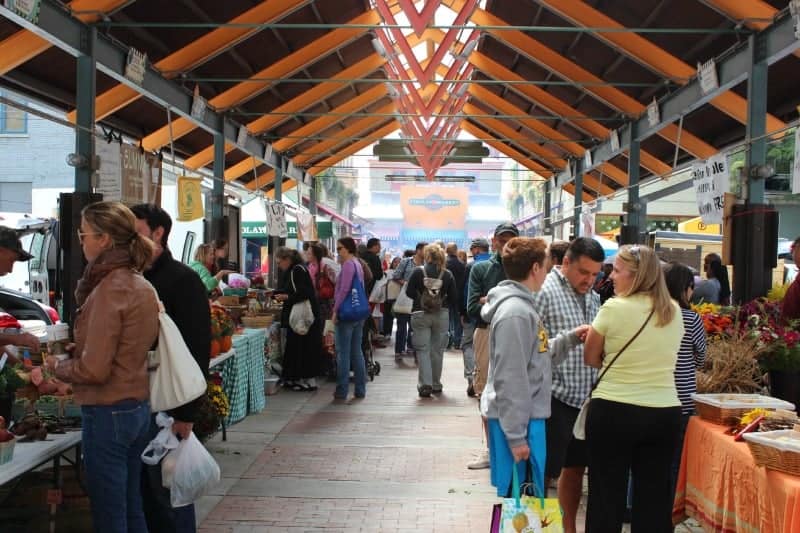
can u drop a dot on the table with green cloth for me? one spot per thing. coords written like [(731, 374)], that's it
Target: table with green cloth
[(243, 375)]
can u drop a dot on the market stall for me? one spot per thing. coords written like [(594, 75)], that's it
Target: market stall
[(722, 488)]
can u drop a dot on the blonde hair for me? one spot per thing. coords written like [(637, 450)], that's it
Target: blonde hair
[(119, 223), (202, 251), (434, 254), (648, 278)]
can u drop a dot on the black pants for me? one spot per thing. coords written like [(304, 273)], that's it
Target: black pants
[(620, 437)]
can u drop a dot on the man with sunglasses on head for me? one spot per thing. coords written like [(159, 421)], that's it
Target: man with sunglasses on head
[(565, 302)]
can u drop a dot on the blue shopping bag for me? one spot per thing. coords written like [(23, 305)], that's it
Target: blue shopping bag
[(355, 306)]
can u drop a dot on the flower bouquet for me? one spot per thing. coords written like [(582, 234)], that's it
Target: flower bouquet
[(214, 408)]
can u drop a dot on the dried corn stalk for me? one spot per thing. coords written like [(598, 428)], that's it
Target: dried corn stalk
[(731, 366)]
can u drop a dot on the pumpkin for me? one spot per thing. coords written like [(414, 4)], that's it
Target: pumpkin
[(215, 348), (225, 343)]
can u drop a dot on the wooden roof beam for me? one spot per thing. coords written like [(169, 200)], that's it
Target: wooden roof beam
[(23, 45), (651, 56)]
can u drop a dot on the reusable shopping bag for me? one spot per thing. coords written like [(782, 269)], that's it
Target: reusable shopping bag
[(175, 377), (355, 305), (301, 317), (526, 514), (403, 304), (378, 294)]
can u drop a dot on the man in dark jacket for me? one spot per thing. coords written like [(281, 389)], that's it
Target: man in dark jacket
[(374, 262), (184, 297), (483, 277), (458, 269)]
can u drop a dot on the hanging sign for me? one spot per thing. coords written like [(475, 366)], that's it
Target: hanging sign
[(614, 141), (276, 220), (241, 138), (796, 166), (587, 224), (190, 198), (711, 182), (587, 158), (653, 114), (109, 175), (135, 66), (27, 9), (708, 76), (306, 227), (199, 105)]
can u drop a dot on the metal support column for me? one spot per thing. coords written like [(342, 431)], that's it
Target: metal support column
[(273, 243), (86, 92), (312, 196), (71, 204), (576, 221), (755, 224), (216, 224), (547, 226), (630, 233)]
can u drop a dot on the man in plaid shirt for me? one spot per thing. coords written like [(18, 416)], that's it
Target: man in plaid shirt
[(565, 302)]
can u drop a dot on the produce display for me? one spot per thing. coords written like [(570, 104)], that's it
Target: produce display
[(222, 328)]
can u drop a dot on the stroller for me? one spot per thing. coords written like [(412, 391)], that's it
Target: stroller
[(373, 367)]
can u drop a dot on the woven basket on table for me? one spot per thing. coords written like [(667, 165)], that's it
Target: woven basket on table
[(720, 415), (258, 321), (775, 459)]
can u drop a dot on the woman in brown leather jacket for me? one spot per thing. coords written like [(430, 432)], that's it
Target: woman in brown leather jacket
[(116, 325)]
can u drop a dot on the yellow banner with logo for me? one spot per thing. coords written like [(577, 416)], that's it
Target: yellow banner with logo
[(190, 198)]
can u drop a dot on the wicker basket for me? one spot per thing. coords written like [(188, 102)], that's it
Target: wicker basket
[(259, 321), (720, 415), (774, 458)]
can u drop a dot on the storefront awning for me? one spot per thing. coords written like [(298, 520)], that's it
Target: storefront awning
[(258, 230)]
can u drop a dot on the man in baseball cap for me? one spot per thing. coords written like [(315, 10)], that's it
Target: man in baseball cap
[(10, 250)]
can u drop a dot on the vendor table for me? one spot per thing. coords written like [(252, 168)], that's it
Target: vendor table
[(720, 486), (30, 455), (243, 375)]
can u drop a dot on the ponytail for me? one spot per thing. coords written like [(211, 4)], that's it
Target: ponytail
[(142, 251)]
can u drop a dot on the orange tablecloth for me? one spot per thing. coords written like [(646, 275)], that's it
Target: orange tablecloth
[(720, 486)]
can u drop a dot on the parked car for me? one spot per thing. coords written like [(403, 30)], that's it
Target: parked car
[(23, 307)]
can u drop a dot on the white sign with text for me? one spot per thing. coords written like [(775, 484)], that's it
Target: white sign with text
[(711, 182)]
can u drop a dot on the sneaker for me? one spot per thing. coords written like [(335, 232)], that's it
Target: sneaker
[(480, 462), (425, 391)]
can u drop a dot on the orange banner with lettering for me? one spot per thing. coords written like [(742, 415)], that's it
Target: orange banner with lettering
[(434, 206)]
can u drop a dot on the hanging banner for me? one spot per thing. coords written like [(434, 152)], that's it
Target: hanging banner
[(141, 176), (306, 227), (276, 220), (796, 166), (190, 198), (711, 182)]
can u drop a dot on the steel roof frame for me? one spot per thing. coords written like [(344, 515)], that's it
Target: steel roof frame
[(63, 30)]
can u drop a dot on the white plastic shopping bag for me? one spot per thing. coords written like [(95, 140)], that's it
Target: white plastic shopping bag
[(163, 442), (195, 472)]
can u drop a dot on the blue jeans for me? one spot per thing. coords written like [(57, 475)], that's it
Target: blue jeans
[(114, 437), (401, 338), (349, 355), (161, 516)]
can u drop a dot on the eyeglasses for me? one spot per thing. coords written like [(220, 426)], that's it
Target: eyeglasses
[(81, 234)]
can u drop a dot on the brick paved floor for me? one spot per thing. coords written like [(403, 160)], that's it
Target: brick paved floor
[(389, 463)]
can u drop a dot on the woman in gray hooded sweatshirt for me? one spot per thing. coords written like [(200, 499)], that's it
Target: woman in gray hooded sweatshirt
[(516, 399)]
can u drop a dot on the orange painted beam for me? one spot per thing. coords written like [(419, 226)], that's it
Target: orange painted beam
[(284, 68), (503, 148), (377, 135), (749, 12), (312, 128), (503, 130), (299, 103), (199, 51), (651, 56), (596, 185), (570, 188), (339, 136), (564, 68), (23, 45)]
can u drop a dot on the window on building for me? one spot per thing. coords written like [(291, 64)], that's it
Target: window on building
[(12, 120)]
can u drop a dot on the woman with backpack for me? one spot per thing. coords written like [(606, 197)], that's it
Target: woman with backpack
[(433, 289)]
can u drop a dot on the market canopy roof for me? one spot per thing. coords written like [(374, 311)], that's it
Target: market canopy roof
[(547, 80)]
